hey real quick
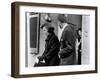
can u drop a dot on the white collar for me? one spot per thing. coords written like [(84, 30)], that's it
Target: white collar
[(64, 25)]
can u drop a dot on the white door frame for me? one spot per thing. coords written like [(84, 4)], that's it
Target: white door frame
[(30, 56)]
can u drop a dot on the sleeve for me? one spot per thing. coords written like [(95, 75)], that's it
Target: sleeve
[(69, 43)]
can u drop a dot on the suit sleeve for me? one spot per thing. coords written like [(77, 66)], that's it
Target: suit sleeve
[(68, 43)]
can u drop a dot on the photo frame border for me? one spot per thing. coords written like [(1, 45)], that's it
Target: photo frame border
[(15, 38)]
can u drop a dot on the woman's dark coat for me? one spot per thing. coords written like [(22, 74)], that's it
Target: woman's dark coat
[(52, 46)]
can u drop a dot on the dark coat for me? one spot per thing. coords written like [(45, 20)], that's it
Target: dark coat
[(67, 43), (52, 46)]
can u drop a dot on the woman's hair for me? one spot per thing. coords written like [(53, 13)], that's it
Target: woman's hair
[(49, 27), (79, 29)]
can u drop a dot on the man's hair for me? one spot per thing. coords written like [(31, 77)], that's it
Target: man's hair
[(62, 18), (49, 27)]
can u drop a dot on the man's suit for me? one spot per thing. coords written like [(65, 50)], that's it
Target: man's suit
[(67, 46)]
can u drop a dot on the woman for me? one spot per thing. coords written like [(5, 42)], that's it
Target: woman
[(52, 45), (78, 45)]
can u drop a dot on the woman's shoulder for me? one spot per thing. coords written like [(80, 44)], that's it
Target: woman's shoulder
[(54, 38)]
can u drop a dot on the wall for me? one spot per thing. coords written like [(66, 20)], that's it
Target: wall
[(85, 39), (5, 40)]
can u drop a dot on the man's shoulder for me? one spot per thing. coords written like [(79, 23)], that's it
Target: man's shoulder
[(69, 28), (67, 31)]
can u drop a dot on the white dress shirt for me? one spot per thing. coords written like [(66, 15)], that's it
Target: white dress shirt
[(61, 30)]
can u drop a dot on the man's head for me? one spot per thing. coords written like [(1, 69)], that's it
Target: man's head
[(47, 28), (62, 19)]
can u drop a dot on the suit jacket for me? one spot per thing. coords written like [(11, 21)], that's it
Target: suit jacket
[(50, 54), (67, 45)]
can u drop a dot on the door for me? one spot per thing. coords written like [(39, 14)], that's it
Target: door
[(32, 38)]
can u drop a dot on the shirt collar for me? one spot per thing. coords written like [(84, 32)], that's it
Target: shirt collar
[(64, 25)]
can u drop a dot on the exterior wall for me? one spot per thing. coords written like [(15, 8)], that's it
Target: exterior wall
[(85, 39)]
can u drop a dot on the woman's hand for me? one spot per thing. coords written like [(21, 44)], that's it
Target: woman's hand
[(40, 58)]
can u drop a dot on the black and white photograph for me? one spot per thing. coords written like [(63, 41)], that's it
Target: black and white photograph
[(53, 39), (56, 39)]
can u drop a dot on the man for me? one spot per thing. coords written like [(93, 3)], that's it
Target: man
[(67, 41)]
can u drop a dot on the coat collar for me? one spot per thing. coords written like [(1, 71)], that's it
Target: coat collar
[(49, 37)]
